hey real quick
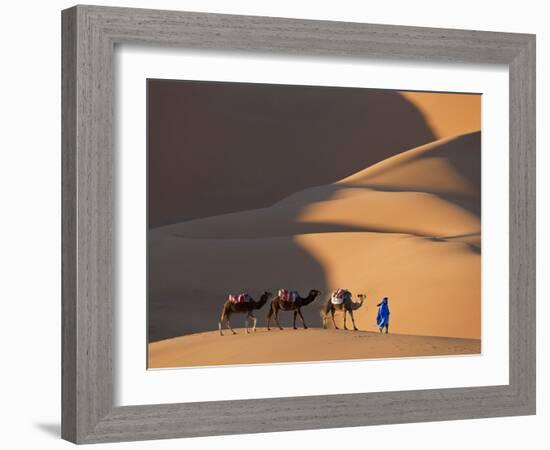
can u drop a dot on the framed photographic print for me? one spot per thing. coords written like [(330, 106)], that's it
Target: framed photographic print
[(258, 210)]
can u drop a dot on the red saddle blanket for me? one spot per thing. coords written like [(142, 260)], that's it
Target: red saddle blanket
[(239, 298), (288, 296)]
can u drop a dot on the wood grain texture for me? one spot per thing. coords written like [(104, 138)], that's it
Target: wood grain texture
[(89, 36), (523, 225), (68, 226)]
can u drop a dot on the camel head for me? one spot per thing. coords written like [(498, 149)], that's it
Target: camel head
[(361, 298), (313, 294), (263, 300)]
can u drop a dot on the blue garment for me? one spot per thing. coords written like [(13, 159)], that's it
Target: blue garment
[(383, 317)]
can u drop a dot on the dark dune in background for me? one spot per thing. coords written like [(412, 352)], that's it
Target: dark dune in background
[(227, 147)]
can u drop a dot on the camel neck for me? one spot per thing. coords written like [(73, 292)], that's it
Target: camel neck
[(262, 301)]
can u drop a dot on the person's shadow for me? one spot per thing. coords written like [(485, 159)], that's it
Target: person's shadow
[(53, 429)]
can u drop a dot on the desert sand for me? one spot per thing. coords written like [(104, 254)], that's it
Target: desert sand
[(205, 349)]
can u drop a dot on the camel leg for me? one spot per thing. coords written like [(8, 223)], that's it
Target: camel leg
[(246, 324), (332, 315), (353, 320), (229, 323), (327, 310), (269, 314), (254, 322), (294, 320), (220, 322), (277, 319), (345, 315), (302, 317)]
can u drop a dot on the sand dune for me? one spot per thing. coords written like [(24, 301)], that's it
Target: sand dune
[(432, 190), (446, 166), (203, 349), (325, 209), (448, 114), (433, 285), (250, 145), (407, 228)]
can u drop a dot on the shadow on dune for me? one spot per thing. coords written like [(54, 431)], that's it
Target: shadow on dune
[(189, 280), (216, 148)]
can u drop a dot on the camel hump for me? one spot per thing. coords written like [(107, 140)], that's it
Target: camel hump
[(287, 295), (239, 298), (339, 296)]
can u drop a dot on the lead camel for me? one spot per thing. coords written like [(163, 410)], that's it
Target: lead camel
[(347, 306)]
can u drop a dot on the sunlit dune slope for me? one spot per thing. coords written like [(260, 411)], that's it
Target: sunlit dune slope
[(204, 349), (448, 114)]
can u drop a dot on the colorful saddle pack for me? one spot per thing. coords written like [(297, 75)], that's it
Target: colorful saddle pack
[(239, 298), (338, 296), (288, 296)]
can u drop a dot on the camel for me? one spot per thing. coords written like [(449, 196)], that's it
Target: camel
[(347, 306), (230, 308), (278, 305)]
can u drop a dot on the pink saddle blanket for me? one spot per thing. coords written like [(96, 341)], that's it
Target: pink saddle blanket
[(288, 296), (239, 298)]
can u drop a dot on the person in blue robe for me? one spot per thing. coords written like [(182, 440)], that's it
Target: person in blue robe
[(383, 317)]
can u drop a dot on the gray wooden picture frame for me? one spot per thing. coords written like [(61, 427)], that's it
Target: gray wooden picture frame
[(89, 37)]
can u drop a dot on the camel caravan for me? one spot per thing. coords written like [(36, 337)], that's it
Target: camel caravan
[(340, 300)]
